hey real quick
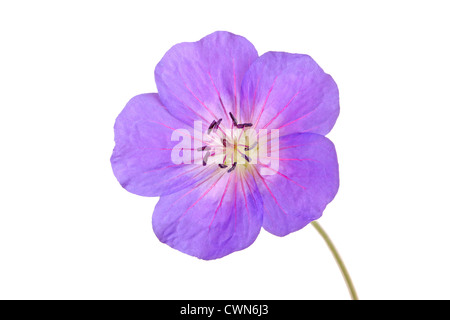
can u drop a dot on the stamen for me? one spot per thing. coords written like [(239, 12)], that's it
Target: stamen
[(204, 148), (222, 165), (224, 142), (232, 167), (205, 158), (211, 126), (251, 147), (216, 126), (234, 119), (246, 157), (244, 125)]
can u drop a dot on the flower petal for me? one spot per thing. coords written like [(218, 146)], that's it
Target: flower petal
[(290, 92), (141, 159), (201, 80), (306, 181), (212, 219)]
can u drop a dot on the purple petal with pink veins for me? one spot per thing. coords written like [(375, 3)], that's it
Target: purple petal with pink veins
[(289, 92), (201, 80), (141, 159), (212, 219), (306, 181)]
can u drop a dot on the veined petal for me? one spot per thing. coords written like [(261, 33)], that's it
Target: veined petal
[(306, 181), (289, 92), (212, 219), (141, 159), (201, 80)]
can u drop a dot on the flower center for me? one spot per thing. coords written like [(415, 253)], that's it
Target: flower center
[(232, 148)]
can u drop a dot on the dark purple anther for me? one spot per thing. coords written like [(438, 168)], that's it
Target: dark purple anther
[(232, 167), (204, 148), (244, 125), (251, 147), (222, 165), (211, 126), (205, 158), (216, 126), (246, 157), (224, 142), (234, 119)]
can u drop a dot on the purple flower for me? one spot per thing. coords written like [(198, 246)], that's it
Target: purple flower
[(209, 209)]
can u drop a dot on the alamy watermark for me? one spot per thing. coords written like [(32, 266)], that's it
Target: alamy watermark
[(240, 146)]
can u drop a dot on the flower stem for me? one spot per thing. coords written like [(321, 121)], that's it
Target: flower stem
[(337, 257)]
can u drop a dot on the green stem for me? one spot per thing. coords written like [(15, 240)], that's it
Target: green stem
[(337, 257)]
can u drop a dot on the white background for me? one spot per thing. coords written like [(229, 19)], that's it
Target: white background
[(68, 229)]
